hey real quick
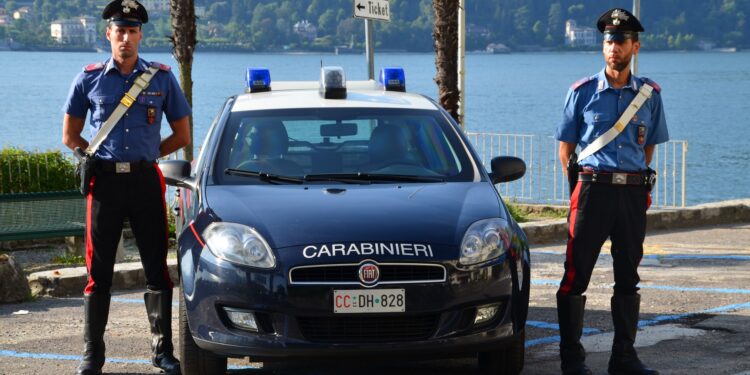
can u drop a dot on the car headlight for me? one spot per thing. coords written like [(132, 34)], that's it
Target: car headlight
[(485, 240), (238, 243)]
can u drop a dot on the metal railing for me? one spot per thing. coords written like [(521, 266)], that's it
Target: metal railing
[(545, 181), (30, 173)]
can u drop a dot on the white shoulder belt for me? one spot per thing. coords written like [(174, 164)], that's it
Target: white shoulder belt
[(643, 94)]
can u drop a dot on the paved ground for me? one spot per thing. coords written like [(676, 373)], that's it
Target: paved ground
[(695, 318)]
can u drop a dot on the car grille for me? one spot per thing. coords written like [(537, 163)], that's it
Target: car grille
[(356, 329), (348, 274)]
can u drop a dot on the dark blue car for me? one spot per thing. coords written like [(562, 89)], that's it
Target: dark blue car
[(341, 219)]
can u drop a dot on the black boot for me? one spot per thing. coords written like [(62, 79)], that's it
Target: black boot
[(624, 360), (570, 317), (96, 312), (159, 309)]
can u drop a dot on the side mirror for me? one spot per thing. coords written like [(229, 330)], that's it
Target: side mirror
[(506, 169), (177, 173)]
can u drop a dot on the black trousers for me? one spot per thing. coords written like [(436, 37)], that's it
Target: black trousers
[(599, 211), (139, 197)]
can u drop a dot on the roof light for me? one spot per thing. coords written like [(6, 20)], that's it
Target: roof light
[(258, 80), (332, 82), (393, 79)]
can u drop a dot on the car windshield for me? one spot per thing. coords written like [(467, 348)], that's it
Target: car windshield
[(347, 145)]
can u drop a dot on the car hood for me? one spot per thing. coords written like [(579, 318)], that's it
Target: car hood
[(296, 215)]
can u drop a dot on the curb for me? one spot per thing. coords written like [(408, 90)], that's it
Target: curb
[(726, 212), (71, 281), (66, 282)]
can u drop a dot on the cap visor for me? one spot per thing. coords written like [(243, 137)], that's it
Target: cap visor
[(614, 37), (125, 22)]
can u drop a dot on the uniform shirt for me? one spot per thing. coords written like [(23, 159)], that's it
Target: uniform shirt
[(592, 107), (136, 137)]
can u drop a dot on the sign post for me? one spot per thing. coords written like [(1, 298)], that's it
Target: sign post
[(371, 10)]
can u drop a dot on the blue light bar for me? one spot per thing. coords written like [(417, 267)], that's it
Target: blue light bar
[(258, 80), (393, 79)]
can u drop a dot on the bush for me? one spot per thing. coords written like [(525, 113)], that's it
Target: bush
[(32, 172)]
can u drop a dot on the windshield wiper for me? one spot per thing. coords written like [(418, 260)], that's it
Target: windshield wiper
[(263, 176), (365, 177)]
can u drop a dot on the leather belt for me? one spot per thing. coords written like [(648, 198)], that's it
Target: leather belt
[(613, 178), (124, 167)]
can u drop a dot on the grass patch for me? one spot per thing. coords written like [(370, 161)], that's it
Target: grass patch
[(69, 260)]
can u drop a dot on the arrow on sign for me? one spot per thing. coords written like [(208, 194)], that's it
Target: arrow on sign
[(360, 6)]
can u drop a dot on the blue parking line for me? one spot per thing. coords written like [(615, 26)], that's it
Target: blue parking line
[(663, 256), (548, 282), (553, 326), (649, 322), (65, 357), (132, 300)]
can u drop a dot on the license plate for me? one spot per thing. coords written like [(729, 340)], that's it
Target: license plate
[(369, 301)]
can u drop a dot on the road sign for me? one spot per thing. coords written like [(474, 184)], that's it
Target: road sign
[(372, 9)]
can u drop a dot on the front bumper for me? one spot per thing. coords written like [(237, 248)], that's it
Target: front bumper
[(297, 321)]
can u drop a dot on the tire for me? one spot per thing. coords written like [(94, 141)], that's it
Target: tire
[(193, 359), (508, 361)]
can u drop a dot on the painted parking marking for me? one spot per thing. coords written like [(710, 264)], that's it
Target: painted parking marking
[(659, 287), (649, 322), (65, 357), (664, 256)]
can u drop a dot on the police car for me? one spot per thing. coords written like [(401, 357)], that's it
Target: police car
[(335, 218)]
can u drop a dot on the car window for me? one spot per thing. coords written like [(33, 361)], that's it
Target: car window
[(304, 142)]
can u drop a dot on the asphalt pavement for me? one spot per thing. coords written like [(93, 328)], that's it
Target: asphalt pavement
[(695, 318)]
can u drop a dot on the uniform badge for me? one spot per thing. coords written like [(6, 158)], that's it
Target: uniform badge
[(641, 134), (618, 16), (151, 114)]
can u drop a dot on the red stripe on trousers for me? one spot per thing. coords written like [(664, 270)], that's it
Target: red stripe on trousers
[(166, 224), (89, 241), (570, 272)]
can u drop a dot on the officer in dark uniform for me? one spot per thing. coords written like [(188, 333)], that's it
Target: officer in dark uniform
[(611, 195), (127, 182)]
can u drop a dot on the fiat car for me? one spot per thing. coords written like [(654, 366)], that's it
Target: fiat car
[(336, 219)]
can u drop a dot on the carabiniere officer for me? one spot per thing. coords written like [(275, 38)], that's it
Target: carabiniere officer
[(127, 182), (611, 195)]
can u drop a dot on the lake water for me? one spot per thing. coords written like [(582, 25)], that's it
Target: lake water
[(705, 97)]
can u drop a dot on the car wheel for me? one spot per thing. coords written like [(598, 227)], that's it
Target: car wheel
[(193, 359), (508, 361)]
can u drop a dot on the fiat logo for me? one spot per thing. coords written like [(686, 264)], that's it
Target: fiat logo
[(369, 273)]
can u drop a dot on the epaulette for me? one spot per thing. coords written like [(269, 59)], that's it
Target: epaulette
[(652, 84), (161, 66), (581, 82), (93, 67)]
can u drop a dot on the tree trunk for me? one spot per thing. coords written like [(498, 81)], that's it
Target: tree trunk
[(183, 45), (445, 34)]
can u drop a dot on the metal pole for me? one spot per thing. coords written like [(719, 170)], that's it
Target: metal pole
[(369, 49), (637, 13), (461, 63)]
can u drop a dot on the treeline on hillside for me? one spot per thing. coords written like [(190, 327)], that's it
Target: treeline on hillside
[(268, 25)]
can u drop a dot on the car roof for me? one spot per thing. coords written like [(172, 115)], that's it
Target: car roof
[(305, 94)]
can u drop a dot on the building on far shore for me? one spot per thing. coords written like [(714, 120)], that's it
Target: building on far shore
[(79, 31), (579, 36)]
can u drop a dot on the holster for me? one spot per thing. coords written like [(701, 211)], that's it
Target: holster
[(84, 170), (573, 169), (650, 179)]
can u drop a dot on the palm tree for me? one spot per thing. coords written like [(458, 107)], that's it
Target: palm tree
[(183, 46), (445, 34)]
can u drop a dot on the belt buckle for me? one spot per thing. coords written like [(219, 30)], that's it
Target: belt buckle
[(121, 167), (619, 178)]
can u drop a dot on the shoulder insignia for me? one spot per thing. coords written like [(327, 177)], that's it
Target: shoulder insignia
[(581, 82), (652, 84), (161, 66), (93, 67)]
